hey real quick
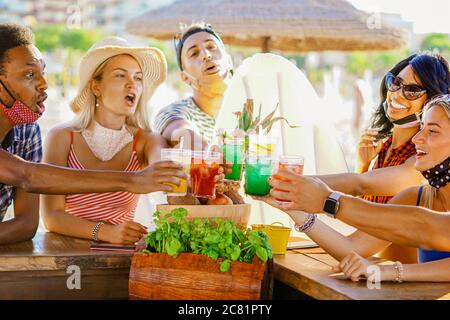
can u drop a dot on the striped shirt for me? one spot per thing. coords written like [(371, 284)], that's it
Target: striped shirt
[(111, 207), (186, 109), (24, 141), (398, 156)]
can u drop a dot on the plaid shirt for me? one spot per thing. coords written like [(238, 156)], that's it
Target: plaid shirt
[(397, 157), (23, 141)]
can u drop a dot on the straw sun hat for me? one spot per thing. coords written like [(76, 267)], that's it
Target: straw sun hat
[(151, 60)]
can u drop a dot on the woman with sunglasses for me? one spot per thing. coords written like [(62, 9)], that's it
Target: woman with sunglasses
[(404, 91), (424, 228)]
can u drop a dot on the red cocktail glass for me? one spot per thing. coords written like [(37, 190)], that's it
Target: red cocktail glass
[(204, 168)]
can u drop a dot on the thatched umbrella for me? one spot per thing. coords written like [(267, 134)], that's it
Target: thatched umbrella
[(286, 25)]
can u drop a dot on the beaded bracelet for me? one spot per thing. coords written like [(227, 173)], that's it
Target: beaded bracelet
[(307, 225), (96, 229), (399, 268)]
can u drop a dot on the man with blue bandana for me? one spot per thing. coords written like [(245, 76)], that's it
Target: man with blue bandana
[(206, 67)]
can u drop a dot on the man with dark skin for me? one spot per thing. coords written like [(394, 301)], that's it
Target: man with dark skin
[(22, 95)]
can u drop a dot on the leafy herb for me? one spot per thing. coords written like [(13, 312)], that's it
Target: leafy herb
[(215, 238), (248, 124)]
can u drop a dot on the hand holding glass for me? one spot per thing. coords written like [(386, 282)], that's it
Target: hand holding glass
[(183, 157), (204, 168), (290, 163)]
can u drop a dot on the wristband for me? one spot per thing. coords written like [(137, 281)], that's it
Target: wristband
[(307, 225), (399, 268), (96, 229)]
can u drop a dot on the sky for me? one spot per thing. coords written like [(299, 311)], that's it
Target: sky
[(427, 15)]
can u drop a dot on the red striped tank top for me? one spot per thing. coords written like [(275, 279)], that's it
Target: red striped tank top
[(111, 207)]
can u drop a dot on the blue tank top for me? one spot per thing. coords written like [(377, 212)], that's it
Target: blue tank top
[(429, 255)]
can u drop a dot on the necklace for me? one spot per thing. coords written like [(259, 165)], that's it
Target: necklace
[(105, 143)]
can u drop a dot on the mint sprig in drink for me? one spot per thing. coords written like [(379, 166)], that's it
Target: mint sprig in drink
[(234, 153)]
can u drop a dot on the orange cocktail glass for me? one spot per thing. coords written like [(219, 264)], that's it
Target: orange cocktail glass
[(184, 158)]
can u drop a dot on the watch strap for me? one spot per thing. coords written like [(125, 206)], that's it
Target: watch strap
[(334, 198), (335, 195)]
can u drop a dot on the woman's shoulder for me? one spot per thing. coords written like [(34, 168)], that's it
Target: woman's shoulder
[(148, 139), (60, 133), (407, 196), (148, 146), (146, 135), (58, 141)]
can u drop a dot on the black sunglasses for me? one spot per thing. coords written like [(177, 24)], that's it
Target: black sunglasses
[(410, 91)]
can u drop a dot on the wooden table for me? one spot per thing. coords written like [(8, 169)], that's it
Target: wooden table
[(308, 271), (37, 269)]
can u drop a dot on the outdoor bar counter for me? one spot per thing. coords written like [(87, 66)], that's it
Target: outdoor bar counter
[(45, 267)]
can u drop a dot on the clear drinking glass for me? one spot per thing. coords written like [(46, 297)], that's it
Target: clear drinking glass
[(257, 170), (290, 163), (262, 145), (234, 153), (204, 168), (183, 157)]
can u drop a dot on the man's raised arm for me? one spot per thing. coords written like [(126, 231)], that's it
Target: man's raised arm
[(49, 179)]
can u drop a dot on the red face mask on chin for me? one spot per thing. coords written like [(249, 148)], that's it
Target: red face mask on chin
[(19, 113)]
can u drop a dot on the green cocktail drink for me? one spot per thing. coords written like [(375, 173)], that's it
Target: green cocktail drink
[(234, 153), (257, 171)]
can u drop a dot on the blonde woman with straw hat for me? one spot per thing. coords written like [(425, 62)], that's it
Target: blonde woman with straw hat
[(110, 132)]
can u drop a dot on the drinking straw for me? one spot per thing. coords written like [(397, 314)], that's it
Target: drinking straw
[(280, 89), (258, 139), (208, 151), (281, 104), (198, 180), (182, 152), (181, 143), (248, 92)]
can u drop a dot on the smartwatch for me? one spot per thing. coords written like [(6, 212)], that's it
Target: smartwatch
[(331, 204)]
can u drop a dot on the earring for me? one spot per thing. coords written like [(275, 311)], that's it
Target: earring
[(96, 103)]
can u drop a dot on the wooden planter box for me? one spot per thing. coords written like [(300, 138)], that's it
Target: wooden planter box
[(239, 213), (197, 277)]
